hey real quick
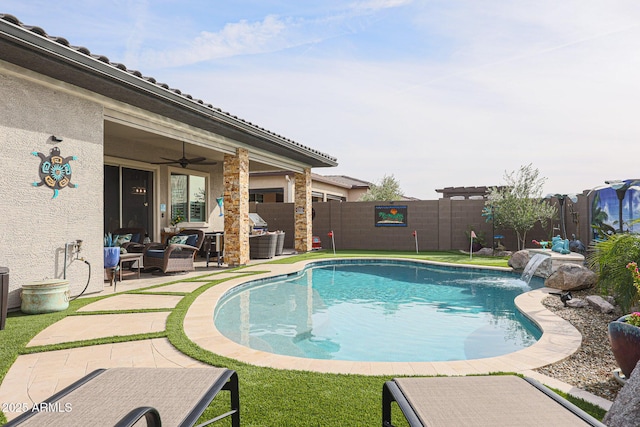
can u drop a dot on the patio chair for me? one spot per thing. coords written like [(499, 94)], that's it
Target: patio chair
[(122, 396), (174, 257), (135, 242), (500, 400)]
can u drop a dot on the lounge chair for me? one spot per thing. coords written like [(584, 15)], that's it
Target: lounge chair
[(122, 396), (500, 400)]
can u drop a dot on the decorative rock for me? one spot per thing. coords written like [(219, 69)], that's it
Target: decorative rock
[(576, 303), (484, 251), (625, 410), (600, 304), (571, 277), (502, 253), (519, 260)]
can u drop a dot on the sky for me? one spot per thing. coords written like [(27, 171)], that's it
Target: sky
[(440, 93)]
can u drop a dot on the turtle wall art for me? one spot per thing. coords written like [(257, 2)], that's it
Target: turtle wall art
[(54, 171)]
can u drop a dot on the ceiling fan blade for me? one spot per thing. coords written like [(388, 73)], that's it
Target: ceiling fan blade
[(165, 163), (196, 160)]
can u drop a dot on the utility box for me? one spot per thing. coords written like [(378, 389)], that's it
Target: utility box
[(4, 295)]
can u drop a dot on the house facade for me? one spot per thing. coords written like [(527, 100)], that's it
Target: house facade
[(89, 146), (278, 187)]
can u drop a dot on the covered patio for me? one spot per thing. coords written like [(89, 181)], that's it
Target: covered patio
[(122, 138)]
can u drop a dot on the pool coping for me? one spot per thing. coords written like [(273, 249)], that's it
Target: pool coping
[(559, 338)]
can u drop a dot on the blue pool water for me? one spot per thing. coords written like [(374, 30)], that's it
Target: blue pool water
[(380, 311)]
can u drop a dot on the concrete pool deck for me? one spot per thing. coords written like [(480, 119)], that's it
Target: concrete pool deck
[(34, 377)]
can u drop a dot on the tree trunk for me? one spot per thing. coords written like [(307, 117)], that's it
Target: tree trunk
[(521, 240)]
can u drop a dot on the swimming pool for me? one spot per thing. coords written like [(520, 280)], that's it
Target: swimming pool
[(372, 310)]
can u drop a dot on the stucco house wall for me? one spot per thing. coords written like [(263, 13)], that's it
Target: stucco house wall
[(330, 189), (333, 190), (35, 226)]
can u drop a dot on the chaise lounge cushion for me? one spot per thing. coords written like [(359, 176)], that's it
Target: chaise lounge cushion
[(480, 401), (108, 396)]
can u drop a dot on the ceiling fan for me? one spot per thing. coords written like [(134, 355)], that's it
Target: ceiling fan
[(184, 161)]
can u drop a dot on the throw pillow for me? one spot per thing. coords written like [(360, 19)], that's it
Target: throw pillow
[(192, 239), (180, 240), (125, 238)]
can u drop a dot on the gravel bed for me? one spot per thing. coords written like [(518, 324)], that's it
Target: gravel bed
[(591, 367)]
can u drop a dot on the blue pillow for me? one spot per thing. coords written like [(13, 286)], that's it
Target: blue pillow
[(192, 240)]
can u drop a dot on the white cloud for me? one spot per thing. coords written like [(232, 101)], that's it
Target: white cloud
[(437, 93), (375, 5), (274, 33)]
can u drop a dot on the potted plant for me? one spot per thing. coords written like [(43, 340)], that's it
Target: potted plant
[(111, 251), (624, 333), (178, 218)]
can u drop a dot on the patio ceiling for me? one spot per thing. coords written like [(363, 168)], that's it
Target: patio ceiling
[(131, 143)]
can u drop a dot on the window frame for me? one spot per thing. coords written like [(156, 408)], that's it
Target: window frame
[(188, 173)]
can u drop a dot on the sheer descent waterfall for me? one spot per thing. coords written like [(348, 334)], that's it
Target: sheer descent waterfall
[(532, 266)]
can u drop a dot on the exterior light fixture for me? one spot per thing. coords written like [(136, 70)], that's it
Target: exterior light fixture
[(55, 138), (561, 199), (138, 191)]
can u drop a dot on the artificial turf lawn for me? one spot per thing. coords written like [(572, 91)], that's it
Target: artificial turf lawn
[(268, 397)]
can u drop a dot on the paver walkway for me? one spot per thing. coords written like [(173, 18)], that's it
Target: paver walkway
[(35, 377)]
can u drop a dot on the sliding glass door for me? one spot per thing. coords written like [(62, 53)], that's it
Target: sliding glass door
[(128, 198)]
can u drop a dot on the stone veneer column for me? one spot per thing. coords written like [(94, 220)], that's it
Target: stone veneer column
[(236, 208), (303, 227)]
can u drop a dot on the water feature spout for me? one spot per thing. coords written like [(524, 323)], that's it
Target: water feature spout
[(532, 266)]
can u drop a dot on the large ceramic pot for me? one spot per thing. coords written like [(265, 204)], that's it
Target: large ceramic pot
[(111, 257), (625, 344)]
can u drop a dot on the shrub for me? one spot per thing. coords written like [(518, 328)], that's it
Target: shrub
[(609, 259)]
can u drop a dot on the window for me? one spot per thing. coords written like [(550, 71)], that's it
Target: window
[(256, 197), (266, 195), (188, 197)]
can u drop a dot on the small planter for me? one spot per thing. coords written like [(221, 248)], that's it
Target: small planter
[(46, 296), (111, 257), (625, 344)]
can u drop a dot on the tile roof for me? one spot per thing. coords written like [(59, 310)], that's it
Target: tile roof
[(121, 67)]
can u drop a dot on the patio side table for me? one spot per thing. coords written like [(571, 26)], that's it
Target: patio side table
[(128, 257)]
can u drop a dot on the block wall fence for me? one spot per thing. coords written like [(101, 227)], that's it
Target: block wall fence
[(439, 224)]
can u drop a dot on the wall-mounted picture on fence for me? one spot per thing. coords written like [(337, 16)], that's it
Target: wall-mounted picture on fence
[(391, 216)]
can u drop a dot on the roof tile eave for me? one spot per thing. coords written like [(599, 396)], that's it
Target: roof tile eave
[(214, 112)]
